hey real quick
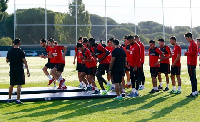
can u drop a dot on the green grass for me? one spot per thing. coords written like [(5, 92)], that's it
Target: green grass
[(160, 106)]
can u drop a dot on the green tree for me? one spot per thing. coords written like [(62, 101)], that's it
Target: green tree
[(97, 31), (31, 34), (83, 18), (5, 41), (119, 33), (3, 7)]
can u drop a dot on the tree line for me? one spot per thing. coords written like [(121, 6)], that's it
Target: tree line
[(61, 26)]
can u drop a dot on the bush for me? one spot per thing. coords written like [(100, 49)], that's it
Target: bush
[(5, 41)]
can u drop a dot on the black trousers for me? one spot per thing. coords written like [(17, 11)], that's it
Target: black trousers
[(134, 78), (193, 79), (141, 76)]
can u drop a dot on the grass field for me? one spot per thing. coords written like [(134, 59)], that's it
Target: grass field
[(160, 106)]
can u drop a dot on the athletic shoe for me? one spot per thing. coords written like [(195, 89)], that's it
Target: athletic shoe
[(19, 102), (177, 92), (61, 82), (96, 92), (141, 87), (128, 86), (9, 101), (108, 87), (92, 88), (88, 89), (51, 81), (59, 87), (104, 93), (132, 94), (55, 86), (166, 89), (123, 94), (63, 88), (160, 88), (153, 91), (191, 95), (112, 89), (136, 95), (118, 98), (172, 91), (80, 86)]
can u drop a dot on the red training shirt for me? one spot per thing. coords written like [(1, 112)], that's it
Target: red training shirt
[(154, 56), (135, 55), (175, 52), (192, 53), (166, 51)]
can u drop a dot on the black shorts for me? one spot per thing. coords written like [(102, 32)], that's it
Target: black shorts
[(154, 71), (60, 67), (49, 65), (90, 71), (80, 67), (164, 68), (17, 76), (102, 68), (176, 70), (117, 75)]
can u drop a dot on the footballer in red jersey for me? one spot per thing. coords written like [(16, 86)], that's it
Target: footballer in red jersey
[(134, 65), (176, 66), (48, 65), (154, 54), (90, 69), (58, 58), (127, 68), (80, 66), (164, 64), (192, 54), (142, 57), (101, 53)]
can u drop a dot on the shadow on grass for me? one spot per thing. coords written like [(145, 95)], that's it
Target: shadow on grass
[(169, 109), (152, 103)]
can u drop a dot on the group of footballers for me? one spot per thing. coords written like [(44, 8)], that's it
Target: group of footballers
[(89, 53)]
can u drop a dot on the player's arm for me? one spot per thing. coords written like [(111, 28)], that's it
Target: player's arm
[(169, 52), (75, 57), (191, 52), (111, 63), (107, 53), (26, 65), (7, 60)]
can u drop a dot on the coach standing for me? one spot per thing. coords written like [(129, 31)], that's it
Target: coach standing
[(117, 66), (16, 57), (191, 63)]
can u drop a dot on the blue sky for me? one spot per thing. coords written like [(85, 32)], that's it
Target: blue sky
[(176, 12)]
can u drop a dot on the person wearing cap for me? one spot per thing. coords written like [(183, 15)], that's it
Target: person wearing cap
[(127, 68), (154, 54), (164, 64), (116, 68), (142, 57), (16, 58), (192, 54), (100, 53), (176, 66), (134, 64)]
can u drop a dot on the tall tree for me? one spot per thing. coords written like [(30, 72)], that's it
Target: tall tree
[(83, 18), (3, 7)]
